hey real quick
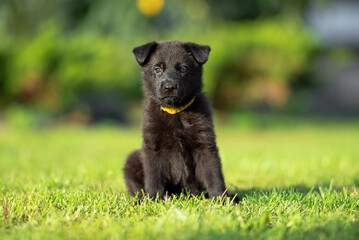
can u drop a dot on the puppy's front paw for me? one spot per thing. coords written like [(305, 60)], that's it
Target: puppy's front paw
[(233, 198)]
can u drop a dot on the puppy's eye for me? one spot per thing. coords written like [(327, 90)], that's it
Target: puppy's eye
[(157, 69), (183, 69)]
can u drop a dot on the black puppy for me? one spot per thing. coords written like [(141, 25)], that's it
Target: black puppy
[(179, 145)]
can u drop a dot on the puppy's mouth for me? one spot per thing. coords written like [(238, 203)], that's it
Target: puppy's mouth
[(170, 100)]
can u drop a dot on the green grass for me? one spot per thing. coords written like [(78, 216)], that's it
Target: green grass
[(295, 182)]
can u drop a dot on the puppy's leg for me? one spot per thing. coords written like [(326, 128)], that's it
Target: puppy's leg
[(133, 172), (154, 172), (209, 172)]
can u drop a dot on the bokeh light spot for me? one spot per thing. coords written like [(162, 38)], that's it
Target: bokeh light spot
[(150, 7)]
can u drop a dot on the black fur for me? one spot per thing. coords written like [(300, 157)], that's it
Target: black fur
[(179, 151)]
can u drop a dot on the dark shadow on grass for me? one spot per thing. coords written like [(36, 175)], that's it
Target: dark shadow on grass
[(298, 188)]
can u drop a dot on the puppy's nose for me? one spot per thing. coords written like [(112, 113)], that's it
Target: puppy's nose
[(169, 87)]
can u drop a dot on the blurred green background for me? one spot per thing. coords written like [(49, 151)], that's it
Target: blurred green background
[(71, 61)]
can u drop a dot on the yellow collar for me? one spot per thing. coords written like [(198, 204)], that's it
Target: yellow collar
[(177, 110)]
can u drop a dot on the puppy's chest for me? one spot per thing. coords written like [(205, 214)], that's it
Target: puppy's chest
[(180, 134)]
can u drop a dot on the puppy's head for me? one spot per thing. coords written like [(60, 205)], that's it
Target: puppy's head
[(172, 70)]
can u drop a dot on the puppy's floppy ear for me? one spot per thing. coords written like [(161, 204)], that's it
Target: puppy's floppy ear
[(143, 52), (199, 52)]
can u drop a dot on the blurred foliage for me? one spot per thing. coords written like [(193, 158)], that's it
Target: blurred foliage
[(55, 53), (52, 68), (254, 62)]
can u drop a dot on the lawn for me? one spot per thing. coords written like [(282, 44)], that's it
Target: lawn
[(296, 181)]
